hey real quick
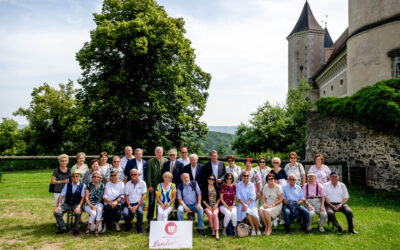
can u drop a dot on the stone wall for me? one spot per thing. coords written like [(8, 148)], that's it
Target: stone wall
[(344, 140)]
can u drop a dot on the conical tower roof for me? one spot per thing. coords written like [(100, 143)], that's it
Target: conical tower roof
[(306, 21), (327, 39)]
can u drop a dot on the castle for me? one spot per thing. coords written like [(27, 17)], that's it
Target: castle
[(368, 51)]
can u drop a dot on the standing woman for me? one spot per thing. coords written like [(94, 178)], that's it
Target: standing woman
[(232, 168), (272, 197), (60, 176), (103, 165), (166, 195), (80, 166), (94, 197), (116, 160), (278, 172), (94, 165), (210, 200), (246, 196), (296, 168), (228, 202), (321, 171)]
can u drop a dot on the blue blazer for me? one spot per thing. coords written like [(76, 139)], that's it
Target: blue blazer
[(176, 173), (131, 164)]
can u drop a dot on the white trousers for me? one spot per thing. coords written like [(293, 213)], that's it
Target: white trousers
[(229, 215), (162, 215), (98, 213)]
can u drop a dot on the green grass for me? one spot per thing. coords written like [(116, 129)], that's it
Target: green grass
[(26, 221)]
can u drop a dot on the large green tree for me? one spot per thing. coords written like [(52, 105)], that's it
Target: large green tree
[(56, 124), (11, 142), (140, 83)]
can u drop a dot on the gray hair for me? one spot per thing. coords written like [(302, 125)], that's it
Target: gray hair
[(195, 156), (213, 151), (173, 150), (80, 154), (292, 176), (138, 149), (158, 148), (97, 173), (184, 174), (134, 170)]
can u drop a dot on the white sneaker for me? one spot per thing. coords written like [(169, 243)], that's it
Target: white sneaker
[(321, 229), (253, 233), (309, 227), (258, 233), (224, 233), (275, 222), (282, 221), (117, 228)]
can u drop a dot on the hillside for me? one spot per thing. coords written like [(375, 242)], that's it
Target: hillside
[(217, 141), (223, 129)]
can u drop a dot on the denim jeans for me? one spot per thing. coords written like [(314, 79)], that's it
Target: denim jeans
[(128, 216), (192, 207), (303, 213)]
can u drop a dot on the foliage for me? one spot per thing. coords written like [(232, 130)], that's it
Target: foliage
[(275, 127), (217, 141), (140, 83), (11, 138), (56, 124), (27, 221), (376, 106)]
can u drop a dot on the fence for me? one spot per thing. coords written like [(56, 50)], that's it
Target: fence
[(21, 163)]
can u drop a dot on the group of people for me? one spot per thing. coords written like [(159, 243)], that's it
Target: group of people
[(256, 196)]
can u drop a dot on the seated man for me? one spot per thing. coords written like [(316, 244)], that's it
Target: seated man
[(74, 193), (336, 199), (189, 198), (292, 199), (135, 194), (315, 201)]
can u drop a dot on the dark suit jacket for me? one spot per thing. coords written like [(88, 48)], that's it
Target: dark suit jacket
[(221, 169), (176, 173), (131, 164), (199, 173)]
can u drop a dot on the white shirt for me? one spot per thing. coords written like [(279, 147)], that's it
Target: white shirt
[(336, 194), (103, 169), (185, 162), (215, 169), (139, 165), (135, 192), (124, 160), (193, 171), (113, 190)]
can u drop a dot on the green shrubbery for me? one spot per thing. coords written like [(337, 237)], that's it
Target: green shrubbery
[(376, 106)]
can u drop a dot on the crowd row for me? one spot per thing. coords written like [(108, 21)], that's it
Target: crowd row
[(184, 185)]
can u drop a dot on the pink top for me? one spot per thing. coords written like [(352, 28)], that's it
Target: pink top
[(229, 193), (322, 175), (312, 190)]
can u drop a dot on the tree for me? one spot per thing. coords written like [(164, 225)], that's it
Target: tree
[(11, 142), (56, 124), (140, 83)]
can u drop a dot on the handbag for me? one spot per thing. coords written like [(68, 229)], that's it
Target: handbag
[(243, 230), (51, 188)]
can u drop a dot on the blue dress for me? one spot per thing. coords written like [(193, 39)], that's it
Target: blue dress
[(245, 193)]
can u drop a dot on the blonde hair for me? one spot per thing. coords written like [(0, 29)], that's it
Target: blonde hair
[(276, 158), (62, 156), (80, 154), (167, 174)]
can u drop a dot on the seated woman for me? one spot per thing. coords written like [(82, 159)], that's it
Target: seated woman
[(166, 195), (272, 197), (94, 165), (113, 196), (94, 198), (80, 166), (246, 196), (210, 200), (228, 202), (60, 176), (116, 167)]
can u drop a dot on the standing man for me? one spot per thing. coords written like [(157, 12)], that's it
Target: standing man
[(174, 166), (128, 151), (153, 177), (137, 163), (195, 170), (336, 201), (184, 156), (215, 167)]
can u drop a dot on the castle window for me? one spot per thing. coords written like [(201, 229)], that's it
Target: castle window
[(341, 82), (324, 92), (395, 55), (332, 88), (397, 70)]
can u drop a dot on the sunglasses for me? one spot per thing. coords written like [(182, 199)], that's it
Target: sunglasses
[(291, 179), (184, 152), (261, 161), (245, 175), (133, 174), (116, 161), (275, 162), (113, 175), (172, 155), (211, 179), (75, 176)]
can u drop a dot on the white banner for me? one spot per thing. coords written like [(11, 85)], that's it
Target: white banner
[(170, 234)]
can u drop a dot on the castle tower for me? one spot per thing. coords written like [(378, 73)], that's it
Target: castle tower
[(373, 47), (306, 48)]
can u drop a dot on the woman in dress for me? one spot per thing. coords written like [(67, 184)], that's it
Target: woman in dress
[(246, 196), (278, 172), (165, 195), (210, 201), (103, 165), (296, 168), (94, 197), (80, 165), (233, 168), (228, 202), (272, 197), (60, 176), (321, 171)]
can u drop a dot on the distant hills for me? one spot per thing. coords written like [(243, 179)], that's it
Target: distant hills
[(222, 142), (223, 129)]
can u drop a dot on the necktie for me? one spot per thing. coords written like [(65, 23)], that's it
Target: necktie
[(172, 167)]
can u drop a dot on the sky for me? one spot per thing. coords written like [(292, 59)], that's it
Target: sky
[(241, 43)]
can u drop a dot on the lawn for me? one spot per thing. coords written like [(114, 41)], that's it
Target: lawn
[(26, 221)]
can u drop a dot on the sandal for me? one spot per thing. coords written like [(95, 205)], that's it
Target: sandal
[(87, 232), (96, 232)]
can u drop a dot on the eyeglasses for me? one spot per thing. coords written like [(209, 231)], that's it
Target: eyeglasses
[(116, 161), (275, 162), (172, 155), (245, 175), (211, 179), (75, 176), (261, 161), (270, 179), (133, 174), (96, 176), (184, 152), (113, 175)]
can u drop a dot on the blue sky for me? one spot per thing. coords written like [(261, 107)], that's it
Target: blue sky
[(242, 43)]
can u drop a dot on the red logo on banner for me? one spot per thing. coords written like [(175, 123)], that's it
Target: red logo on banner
[(171, 228)]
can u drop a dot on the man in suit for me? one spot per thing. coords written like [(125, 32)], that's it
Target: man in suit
[(174, 166), (137, 163), (215, 167), (195, 170)]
